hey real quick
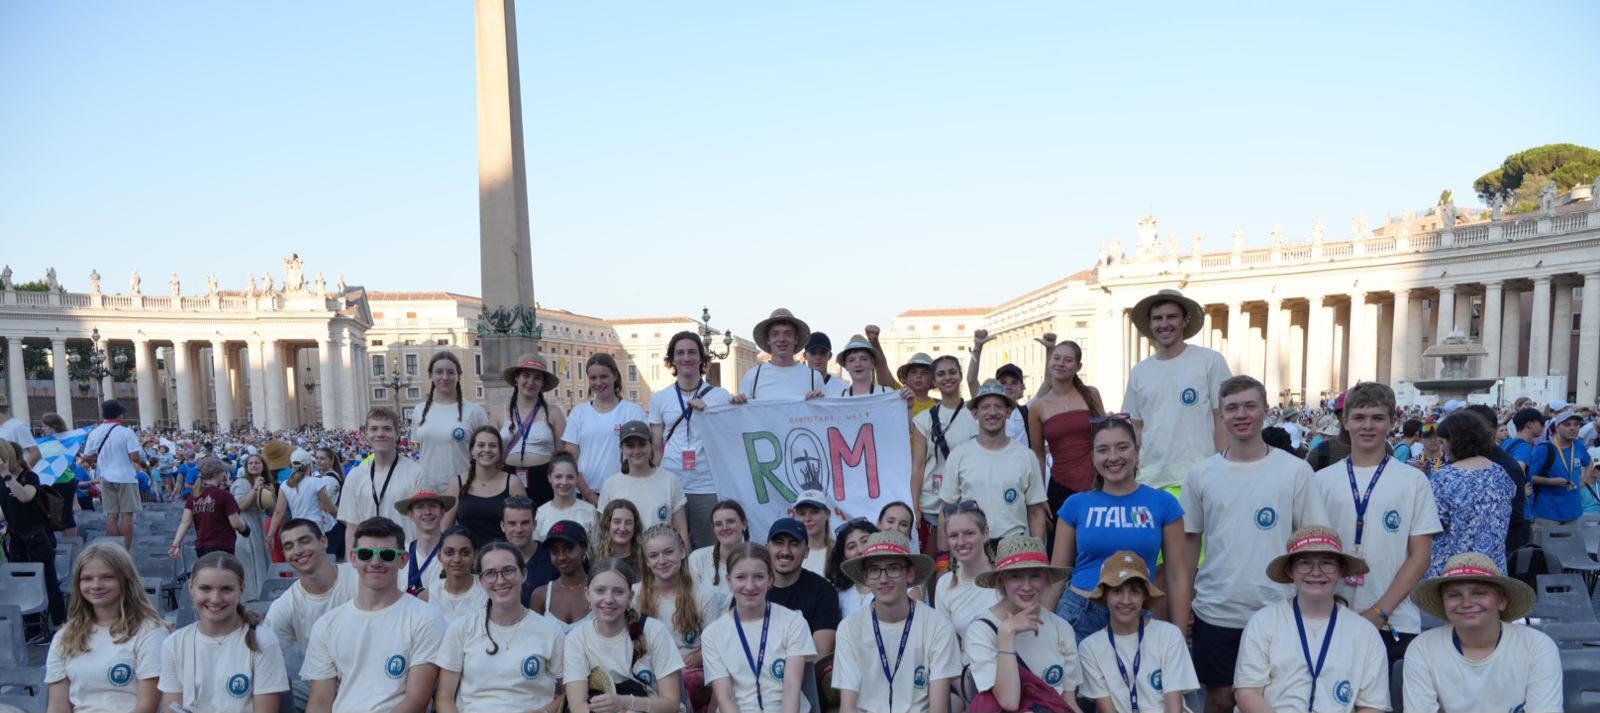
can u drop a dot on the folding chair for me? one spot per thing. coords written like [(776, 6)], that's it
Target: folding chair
[(13, 636), (1567, 590), (808, 686), (1580, 672), (1572, 636), (22, 584), (1397, 685), (1564, 545), (23, 689)]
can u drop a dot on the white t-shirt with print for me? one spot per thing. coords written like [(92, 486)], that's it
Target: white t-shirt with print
[(370, 652), (525, 673), (930, 655), (1164, 666), (595, 435), (548, 515), (454, 606), (446, 440), (1401, 507), (1005, 482), (292, 615), (964, 602), (840, 388), (358, 502), (1523, 674), (769, 381), (105, 679), (1247, 512), (586, 649), (959, 427), (1175, 400), (1052, 654), (657, 496), (111, 444), (724, 657), (710, 603), (705, 569), (664, 411), (1354, 675), (221, 674)]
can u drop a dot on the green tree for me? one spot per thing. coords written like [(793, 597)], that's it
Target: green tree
[(38, 286), (1522, 175)]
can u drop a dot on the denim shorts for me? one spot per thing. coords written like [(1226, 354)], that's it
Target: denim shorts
[(1086, 617)]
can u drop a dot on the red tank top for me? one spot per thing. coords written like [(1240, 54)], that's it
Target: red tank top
[(1066, 435)]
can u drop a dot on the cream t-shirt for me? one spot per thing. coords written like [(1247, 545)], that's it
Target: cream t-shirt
[(1247, 512), (547, 516), (769, 381), (452, 606), (585, 649), (524, 673), (1401, 506), (446, 441), (1052, 654), (710, 603), (787, 635), (105, 679), (706, 570), (1523, 674), (370, 652), (1176, 400), (657, 496), (816, 561), (364, 495), (221, 674), (1164, 666), (959, 427), (1354, 675), (293, 614), (961, 604), (1005, 482), (930, 655)]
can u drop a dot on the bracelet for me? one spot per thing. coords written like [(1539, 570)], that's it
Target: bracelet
[(1011, 653), (1381, 612)]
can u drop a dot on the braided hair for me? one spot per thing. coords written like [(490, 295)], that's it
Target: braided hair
[(460, 397), (229, 563)]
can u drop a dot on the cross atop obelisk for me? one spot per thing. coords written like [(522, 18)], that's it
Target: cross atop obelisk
[(508, 327)]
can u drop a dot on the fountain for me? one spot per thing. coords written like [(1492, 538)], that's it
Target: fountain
[(1455, 380)]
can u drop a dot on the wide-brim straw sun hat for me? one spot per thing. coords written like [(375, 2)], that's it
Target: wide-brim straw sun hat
[(531, 362), (888, 544), (802, 331), (1121, 567), (918, 359), (857, 343), (423, 495), (1141, 313), (1474, 567), (1019, 553), (1314, 539), (991, 388)]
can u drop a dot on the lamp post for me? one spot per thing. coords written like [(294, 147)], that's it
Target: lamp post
[(94, 368), (705, 336), (395, 383)]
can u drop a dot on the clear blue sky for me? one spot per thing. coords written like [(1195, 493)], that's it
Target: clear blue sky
[(848, 160)]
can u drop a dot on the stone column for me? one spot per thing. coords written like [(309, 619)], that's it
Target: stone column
[(183, 376), (1363, 351), (254, 366), (17, 380), (1463, 313), (1401, 340), (1277, 327), (63, 384), (221, 385), (1561, 332), (1539, 336), (276, 389), (356, 368), (1445, 308), (1511, 333), (1492, 309), (1419, 326), (144, 362), (1588, 374), (328, 366), (1238, 332), (1319, 350)]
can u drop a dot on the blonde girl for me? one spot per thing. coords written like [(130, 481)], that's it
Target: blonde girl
[(617, 660), (665, 585), (107, 657)]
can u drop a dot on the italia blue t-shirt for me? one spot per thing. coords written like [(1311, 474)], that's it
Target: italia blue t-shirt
[(1106, 524), (1553, 503)]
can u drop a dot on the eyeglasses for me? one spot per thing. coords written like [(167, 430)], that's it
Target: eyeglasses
[(386, 554), (852, 522), (1305, 566), (1109, 418), (963, 506), (892, 571), (490, 575)]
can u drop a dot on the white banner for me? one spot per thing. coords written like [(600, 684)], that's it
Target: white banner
[(857, 450)]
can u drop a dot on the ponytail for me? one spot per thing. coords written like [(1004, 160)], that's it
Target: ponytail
[(251, 621)]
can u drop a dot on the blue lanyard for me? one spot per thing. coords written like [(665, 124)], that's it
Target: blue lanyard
[(1362, 501), (756, 662), (1138, 651), (414, 575), (1455, 638), (1305, 648), (883, 656), (683, 406)]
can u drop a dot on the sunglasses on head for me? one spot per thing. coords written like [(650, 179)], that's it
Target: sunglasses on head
[(963, 506), (1109, 418), (385, 554), (852, 522)]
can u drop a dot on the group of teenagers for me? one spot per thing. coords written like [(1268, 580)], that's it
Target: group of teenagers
[(1059, 557)]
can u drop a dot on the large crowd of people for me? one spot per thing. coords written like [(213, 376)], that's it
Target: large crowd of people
[(1057, 556)]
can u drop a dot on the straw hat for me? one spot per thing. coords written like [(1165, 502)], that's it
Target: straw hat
[(1328, 425), (600, 682), (991, 388), (857, 343), (1309, 539), (424, 495), (1121, 567), (1141, 313), (1474, 567), (918, 359), (531, 362), (278, 454), (888, 544), (1017, 553), (802, 332)]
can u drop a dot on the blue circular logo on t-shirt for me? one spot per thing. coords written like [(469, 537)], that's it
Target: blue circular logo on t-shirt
[(1266, 517), (919, 678), (1391, 521), (777, 669), (238, 685), (1011, 495), (647, 676), (690, 636), (531, 667), (1155, 680), (1341, 692), (663, 513), (120, 674), (1190, 396), (396, 667), (1053, 675), (459, 433)]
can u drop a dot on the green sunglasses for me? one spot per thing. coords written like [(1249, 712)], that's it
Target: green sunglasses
[(387, 554)]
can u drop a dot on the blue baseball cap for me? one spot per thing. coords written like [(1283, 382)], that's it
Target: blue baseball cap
[(821, 341), (787, 526)]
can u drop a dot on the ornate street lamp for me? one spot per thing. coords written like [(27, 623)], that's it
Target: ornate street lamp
[(396, 382), (705, 336), (93, 368)]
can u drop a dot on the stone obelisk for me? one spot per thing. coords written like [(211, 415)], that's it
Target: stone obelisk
[(508, 327)]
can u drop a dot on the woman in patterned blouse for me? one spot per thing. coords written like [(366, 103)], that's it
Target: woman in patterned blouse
[(1473, 493)]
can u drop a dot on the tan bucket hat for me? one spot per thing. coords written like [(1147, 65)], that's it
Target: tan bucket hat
[(423, 495), (1474, 567), (1021, 552), (888, 544), (1141, 313), (857, 343), (990, 388), (531, 362), (1121, 567), (1314, 538), (918, 359), (802, 332)]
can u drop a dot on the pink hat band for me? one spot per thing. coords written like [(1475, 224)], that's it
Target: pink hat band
[(885, 548), (531, 364), (1470, 572), (1305, 542), (1022, 558)]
